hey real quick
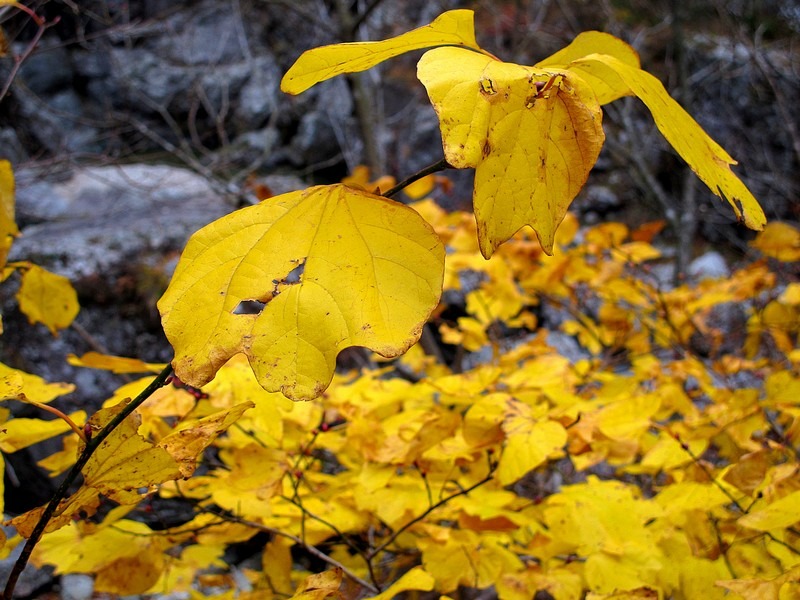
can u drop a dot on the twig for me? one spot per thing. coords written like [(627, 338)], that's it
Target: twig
[(308, 547), (374, 552), (18, 60), (74, 473), (439, 165)]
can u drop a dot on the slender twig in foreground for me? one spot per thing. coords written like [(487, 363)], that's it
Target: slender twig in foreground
[(430, 509), (63, 490), (439, 165), (308, 547)]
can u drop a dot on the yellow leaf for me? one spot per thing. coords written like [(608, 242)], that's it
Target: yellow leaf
[(125, 559), (415, 579), (115, 364), (629, 417), (705, 157), (21, 433), (47, 298), (359, 179), (791, 295), (483, 421), (334, 267), (602, 516), (320, 586), (640, 593), (18, 384), (461, 557), (766, 589), (59, 462), (420, 188), (83, 504), (125, 460), (779, 240), (185, 445), (532, 135), (529, 442), (688, 496), (454, 28), (254, 477), (596, 42), (3, 416), (277, 565), (8, 226), (776, 515)]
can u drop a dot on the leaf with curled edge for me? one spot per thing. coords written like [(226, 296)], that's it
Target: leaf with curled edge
[(454, 27), (531, 134), (709, 161), (329, 267)]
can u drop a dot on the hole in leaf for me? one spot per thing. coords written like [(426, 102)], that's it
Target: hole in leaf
[(254, 306), (249, 307), (295, 274)]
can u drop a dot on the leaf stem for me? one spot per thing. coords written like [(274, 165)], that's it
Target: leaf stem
[(63, 416), (439, 165), (74, 473)]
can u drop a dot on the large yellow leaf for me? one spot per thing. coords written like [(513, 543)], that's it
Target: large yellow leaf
[(532, 135), (596, 42), (333, 266), (47, 298), (453, 28), (706, 158), (8, 226)]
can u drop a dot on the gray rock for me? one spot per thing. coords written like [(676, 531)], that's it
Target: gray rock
[(315, 140), (710, 265), (105, 218), (211, 34), (48, 69), (567, 346), (598, 198), (259, 96), (31, 579), (57, 120), (76, 586), (10, 147)]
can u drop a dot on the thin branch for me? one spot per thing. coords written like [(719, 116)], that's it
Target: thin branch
[(439, 165), (18, 60), (373, 553), (364, 15), (308, 547), (63, 490)]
